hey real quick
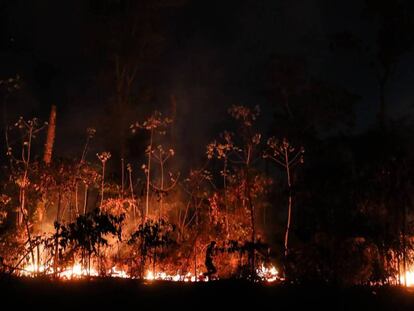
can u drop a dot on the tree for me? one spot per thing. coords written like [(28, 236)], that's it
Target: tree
[(132, 36), (87, 234), (221, 151), (103, 157), (149, 237), (162, 189), (90, 133), (28, 131), (50, 140), (155, 124), (285, 155), (190, 219), (244, 153)]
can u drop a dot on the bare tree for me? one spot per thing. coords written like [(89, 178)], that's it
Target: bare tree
[(155, 124), (286, 156), (162, 156)]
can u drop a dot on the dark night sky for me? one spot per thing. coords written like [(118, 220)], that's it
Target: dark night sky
[(216, 54)]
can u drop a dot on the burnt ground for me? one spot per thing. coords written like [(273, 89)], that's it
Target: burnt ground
[(116, 294)]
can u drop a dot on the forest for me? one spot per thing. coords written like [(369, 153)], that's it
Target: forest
[(291, 187)]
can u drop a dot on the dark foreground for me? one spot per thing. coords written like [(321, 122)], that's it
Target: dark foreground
[(115, 294)]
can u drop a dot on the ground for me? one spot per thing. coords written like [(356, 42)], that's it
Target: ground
[(116, 294)]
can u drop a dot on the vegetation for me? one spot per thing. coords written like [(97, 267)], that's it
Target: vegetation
[(357, 237), (251, 200)]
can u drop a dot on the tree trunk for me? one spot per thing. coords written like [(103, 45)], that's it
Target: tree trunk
[(56, 257), (225, 195), (103, 184), (162, 186), (252, 223), (85, 201), (23, 195), (51, 130), (122, 177), (404, 252), (289, 203), (148, 176)]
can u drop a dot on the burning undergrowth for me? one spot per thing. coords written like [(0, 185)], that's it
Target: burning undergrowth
[(67, 219), (74, 218)]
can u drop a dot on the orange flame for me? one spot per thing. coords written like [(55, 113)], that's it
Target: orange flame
[(266, 274)]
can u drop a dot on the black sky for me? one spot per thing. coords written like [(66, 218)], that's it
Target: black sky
[(216, 54)]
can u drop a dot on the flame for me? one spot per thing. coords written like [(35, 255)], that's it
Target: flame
[(408, 278), (76, 271), (149, 276), (268, 274), (30, 269), (119, 273), (189, 277)]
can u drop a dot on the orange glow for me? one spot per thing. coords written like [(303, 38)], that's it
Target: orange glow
[(409, 277), (162, 276), (268, 274), (74, 272)]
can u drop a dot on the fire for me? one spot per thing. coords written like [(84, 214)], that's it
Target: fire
[(77, 271), (149, 276), (268, 274), (74, 272), (408, 279), (29, 270), (119, 273), (162, 276)]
